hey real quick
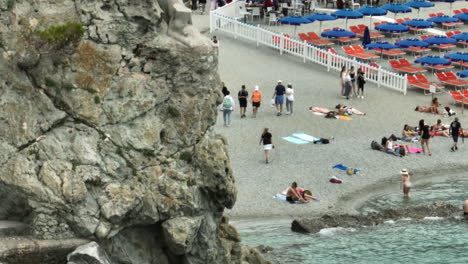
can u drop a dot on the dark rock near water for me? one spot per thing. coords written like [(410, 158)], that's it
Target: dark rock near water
[(315, 224)]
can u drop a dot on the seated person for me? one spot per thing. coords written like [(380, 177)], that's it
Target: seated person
[(409, 133), (439, 130), (390, 147), (342, 110), (292, 195), (435, 106)]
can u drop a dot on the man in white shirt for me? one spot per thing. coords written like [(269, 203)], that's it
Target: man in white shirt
[(228, 107), (289, 99)]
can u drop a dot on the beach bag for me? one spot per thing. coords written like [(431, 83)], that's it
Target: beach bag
[(272, 103), (331, 114), (227, 103), (350, 171), (324, 140)]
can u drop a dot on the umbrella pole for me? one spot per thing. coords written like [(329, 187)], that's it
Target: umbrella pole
[(419, 9), (370, 21), (320, 27), (346, 23)]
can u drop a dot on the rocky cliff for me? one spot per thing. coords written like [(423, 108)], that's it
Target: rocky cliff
[(105, 130)]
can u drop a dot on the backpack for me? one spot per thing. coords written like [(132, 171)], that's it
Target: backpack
[(227, 103), (324, 140), (376, 146), (331, 114)]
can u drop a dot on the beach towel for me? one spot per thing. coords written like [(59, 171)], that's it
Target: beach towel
[(305, 137), (344, 168), (295, 140), (344, 117), (318, 113), (411, 149)]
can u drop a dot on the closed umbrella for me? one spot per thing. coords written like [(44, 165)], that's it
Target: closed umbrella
[(366, 37), (372, 11), (320, 17), (462, 17), (294, 20), (418, 23), (338, 33), (347, 14), (411, 42), (418, 4), (457, 56), (461, 37), (439, 40), (396, 8), (463, 74), (442, 19), (432, 61), (392, 28)]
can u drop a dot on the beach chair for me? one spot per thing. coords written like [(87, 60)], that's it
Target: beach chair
[(426, 36), (417, 50), (456, 12), (464, 10), (359, 50), (390, 53), (351, 52), (400, 68), (313, 36), (373, 35), (453, 77), (400, 20), (460, 64), (405, 63), (445, 80), (413, 82), (440, 14), (439, 67), (432, 15), (442, 47), (357, 31), (422, 79), (273, 19)]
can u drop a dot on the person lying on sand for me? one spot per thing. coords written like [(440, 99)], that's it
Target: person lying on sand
[(342, 110), (434, 108), (439, 130), (306, 194), (292, 194)]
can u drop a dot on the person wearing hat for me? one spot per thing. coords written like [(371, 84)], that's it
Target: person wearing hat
[(279, 97), (289, 99), (455, 130), (405, 182), (256, 100)]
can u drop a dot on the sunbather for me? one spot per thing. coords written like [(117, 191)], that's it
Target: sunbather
[(306, 194), (319, 109), (292, 195), (439, 130), (409, 133), (342, 110), (435, 106)]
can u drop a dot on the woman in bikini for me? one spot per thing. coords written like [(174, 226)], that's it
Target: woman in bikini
[(405, 182), (434, 108), (425, 135)]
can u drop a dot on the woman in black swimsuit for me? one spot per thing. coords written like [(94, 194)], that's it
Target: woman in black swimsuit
[(424, 132), (352, 74)]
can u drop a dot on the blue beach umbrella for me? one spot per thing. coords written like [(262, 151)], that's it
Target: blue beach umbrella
[(320, 17), (411, 42), (295, 21), (372, 11), (418, 4), (338, 33), (432, 61), (439, 40), (457, 56), (463, 74), (461, 37), (462, 17), (381, 45), (347, 14), (392, 27), (443, 19), (396, 8), (418, 23)]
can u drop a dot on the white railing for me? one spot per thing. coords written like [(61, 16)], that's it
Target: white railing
[(225, 19)]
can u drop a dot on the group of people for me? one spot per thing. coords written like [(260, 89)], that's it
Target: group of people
[(281, 96), (350, 81), (296, 194)]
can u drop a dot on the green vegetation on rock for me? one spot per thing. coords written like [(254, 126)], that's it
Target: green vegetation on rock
[(10, 3), (173, 111), (97, 100), (49, 82), (62, 35), (186, 156)]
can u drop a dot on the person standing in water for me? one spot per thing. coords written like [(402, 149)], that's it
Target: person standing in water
[(266, 139), (405, 182)]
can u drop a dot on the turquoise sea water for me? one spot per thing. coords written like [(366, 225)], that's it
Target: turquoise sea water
[(432, 240)]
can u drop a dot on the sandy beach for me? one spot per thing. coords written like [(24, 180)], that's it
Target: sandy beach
[(241, 62)]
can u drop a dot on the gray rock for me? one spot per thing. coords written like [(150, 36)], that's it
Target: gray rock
[(180, 232), (90, 253)]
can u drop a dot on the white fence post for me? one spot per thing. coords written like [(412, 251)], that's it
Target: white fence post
[(405, 84), (379, 76), (236, 27), (329, 60), (304, 51), (257, 33), (281, 43)]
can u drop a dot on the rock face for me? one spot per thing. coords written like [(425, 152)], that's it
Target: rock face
[(106, 135), (314, 225), (90, 253)]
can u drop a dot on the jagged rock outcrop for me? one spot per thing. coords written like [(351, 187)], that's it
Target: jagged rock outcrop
[(105, 130), (89, 253), (315, 224)]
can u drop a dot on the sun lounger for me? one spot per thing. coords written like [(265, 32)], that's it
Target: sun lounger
[(307, 39), (359, 50), (422, 79), (445, 80), (432, 15), (390, 53), (352, 52), (400, 68), (439, 67), (287, 43), (373, 35), (412, 81), (313, 36), (417, 50), (458, 97), (405, 63), (453, 77), (456, 12), (444, 47), (460, 64)]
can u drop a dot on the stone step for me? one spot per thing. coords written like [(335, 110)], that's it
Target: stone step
[(13, 228), (28, 250)]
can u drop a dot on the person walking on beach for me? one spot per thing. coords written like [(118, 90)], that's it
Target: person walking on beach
[(343, 79), (279, 97), (360, 83), (352, 74), (348, 86), (289, 99), (455, 130), (256, 100), (405, 182), (425, 135), (267, 140), (242, 96), (224, 90), (228, 107)]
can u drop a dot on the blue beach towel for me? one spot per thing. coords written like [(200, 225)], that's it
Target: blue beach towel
[(295, 140), (305, 137), (343, 167)]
